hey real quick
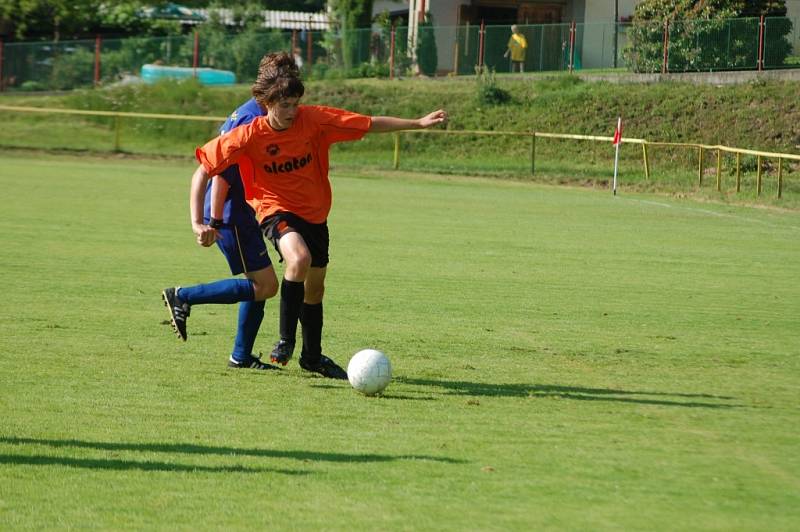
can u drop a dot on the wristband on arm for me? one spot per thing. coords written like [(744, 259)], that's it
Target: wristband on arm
[(215, 223)]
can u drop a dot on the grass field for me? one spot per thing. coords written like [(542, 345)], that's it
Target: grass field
[(563, 359)]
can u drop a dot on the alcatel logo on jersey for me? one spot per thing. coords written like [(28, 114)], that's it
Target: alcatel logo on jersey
[(287, 166)]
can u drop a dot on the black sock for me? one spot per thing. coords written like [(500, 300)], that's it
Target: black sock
[(292, 293), (311, 318)]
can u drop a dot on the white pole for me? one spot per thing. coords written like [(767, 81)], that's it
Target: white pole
[(616, 155)]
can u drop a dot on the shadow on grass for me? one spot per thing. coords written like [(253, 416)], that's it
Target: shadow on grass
[(132, 465), (389, 395), (569, 392), (189, 448)]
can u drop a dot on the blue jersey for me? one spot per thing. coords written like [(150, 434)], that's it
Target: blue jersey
[(236, 210)]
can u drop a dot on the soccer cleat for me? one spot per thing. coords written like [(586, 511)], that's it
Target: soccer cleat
[(251, 363), (178, 311), (282, 352), (325, 367)]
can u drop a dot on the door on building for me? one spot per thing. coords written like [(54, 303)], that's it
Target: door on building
[(546, 34), (494, 16), (498, 21), (539, 13), (510, 13)]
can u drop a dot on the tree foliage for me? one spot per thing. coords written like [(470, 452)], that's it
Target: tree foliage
[(427, 55), (241, 47), (705, 34), (75, 19), (402, 57), (352, 20)]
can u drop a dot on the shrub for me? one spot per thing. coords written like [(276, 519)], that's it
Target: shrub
[(427, 56), (31, 86), (241, 50), (72, 69), (354, 43), (371, 70), (319, 70), (488, 93), (133, 52)]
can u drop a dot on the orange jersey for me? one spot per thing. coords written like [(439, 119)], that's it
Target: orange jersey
[(285, 171)]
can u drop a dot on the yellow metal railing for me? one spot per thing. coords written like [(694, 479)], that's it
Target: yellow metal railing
[(533, 135), (701, 148), (117, 115)]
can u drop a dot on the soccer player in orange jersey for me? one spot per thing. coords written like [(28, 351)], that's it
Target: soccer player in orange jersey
[(283, 162)]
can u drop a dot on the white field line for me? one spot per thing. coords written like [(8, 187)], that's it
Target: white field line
[(711, 213)]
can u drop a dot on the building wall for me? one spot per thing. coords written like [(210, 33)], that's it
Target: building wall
[(603, 10), (793, 12), (444, 12), (445, 17), (597, 49), (596, 42), (793, 9), (392, 6)]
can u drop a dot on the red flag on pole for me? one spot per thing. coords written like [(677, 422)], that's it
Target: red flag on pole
[(618, 133)]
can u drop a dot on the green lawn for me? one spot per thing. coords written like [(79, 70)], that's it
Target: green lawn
[(564, 359)]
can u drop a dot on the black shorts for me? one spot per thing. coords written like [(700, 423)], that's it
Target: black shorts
[(315, 235)]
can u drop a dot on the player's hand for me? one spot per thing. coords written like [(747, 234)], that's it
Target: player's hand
[(433, 119), (205, 235)]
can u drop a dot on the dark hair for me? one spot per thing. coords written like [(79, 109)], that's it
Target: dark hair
[(278, 77)]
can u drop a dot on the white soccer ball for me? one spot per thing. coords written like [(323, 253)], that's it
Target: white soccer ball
[(369, 371)]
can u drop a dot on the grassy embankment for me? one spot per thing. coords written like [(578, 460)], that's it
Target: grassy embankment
[(763, 116)]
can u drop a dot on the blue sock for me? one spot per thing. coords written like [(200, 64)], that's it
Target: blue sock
[(250, 315), (226, 292)]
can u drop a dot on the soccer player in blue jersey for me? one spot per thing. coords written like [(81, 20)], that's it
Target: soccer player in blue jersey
[(220, 214)]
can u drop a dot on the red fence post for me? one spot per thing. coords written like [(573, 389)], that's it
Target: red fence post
[(391, 53), (571, 46), (481, 37), (761, 43), (196, 53), (2, 81), (97, 42), (665, 63)]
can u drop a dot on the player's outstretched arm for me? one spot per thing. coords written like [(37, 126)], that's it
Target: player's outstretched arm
[(384, 124)]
